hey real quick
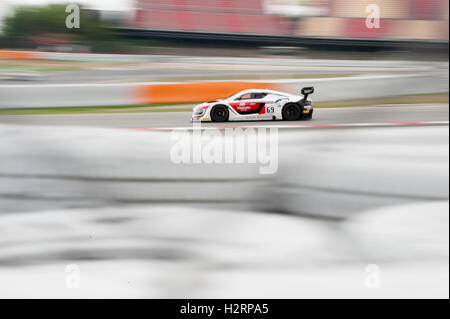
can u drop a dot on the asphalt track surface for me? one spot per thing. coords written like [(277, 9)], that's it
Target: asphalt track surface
[(166, 67), (370, 115)]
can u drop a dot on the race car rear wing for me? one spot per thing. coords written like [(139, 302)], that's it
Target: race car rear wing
[(307, 91)]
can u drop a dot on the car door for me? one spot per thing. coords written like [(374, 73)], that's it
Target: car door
[(249, 103), (273, 102)]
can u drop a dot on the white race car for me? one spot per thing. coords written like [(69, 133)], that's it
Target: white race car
[(255, 104)]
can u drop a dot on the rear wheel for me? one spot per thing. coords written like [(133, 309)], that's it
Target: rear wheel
[(291, 112), (219, 113)]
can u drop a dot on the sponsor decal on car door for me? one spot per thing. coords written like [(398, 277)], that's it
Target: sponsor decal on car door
[(247, 107)]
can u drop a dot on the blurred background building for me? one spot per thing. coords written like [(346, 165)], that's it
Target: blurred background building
[(323, 24), (400, 19), (232, 16)]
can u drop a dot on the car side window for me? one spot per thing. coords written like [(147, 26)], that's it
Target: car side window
[(258, 96), (247, 96)]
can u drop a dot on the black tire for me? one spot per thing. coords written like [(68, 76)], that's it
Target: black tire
[(219, 113), (291, 112)]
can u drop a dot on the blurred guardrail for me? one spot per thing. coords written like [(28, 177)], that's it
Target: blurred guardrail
[(85, 95), (312, 42), (155, 58)]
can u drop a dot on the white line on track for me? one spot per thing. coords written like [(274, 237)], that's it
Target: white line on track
[(294, 126)]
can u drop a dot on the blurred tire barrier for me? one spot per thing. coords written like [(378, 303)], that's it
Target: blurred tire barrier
[(331, 173), (182, 252), (329, 89), (337, 174), (54, 167), (92, 193), (419, 231)]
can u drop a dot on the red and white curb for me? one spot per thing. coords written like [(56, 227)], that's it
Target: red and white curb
[(292, 126)]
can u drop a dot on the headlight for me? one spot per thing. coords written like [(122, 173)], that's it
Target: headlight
[(199, 111)]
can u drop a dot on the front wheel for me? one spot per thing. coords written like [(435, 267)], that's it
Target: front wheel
[(219, 113), (291, 112)]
